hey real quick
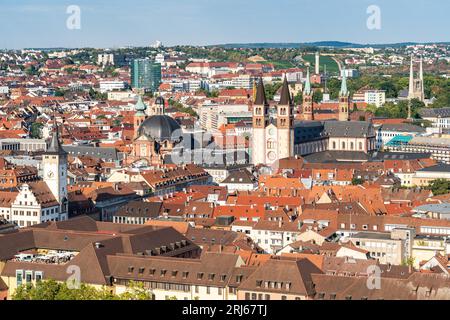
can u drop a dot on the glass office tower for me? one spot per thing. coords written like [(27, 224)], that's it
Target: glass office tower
[(145, 74)]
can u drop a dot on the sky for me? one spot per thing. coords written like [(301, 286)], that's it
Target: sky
[(117, 23)]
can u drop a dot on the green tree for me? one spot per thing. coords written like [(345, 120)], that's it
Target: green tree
[(357, 181), (409, 262), (59, 92), (298, 98), (31, 71), (439, 186), (318, 96), (36, 130), (53, 290)]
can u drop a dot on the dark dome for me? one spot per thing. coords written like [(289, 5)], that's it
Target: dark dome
[(159, 127)]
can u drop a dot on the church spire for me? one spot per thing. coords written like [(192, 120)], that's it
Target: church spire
[(307, 108), (285, 96), (261, 99), (421, 69), (307, 90), (344, 102), (55, 146), (140, 106), (344, 91), (411, 78)]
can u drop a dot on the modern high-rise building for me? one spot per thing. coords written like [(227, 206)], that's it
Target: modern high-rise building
[(145, 74)]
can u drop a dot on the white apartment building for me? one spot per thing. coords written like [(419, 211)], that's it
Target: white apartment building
[(112, 85), (213, 116), (122, 95), (105, 59), (375, 97), (439, 117), (271, 236), (394, 247)]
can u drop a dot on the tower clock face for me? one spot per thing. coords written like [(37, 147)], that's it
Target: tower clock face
[(50, 174)]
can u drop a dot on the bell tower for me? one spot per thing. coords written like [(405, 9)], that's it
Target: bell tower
[(285, 122), (54, 164), (139, 116), (308, 111), (344, 102), (260, 122)]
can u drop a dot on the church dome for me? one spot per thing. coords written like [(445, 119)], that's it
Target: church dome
[(159, 128)]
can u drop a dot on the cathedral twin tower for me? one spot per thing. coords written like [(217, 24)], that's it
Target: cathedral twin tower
[(273, 134), (272, 137)]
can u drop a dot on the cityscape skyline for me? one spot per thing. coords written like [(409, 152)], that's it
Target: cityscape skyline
[(233, 151), (141, 23)]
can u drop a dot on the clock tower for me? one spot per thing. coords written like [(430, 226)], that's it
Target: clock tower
[(54, 163)]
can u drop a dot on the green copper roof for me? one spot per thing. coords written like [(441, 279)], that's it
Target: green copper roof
[(140, 106), (307, 84), (344, 90)]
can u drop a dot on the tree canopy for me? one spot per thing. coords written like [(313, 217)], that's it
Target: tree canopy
[(53, 290), (439, 186)]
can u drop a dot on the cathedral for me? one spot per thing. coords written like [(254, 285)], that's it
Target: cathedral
[(276, 135), (155, 134)]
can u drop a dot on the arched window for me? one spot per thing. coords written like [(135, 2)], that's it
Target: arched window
[(334, 144), (360, 146), (343, 145), (351, 146)]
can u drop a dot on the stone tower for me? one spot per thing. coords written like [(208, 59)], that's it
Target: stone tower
[(344, 101), (260, 122), (139, 115), (54, 164), (285, 122), (308, 111)]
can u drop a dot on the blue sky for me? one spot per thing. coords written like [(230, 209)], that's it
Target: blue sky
[(114, 23)]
